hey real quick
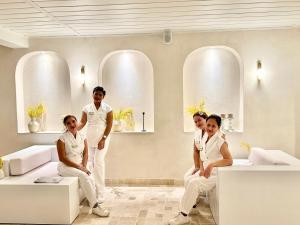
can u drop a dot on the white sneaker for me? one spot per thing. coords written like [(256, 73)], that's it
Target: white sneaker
[(179, 219), (100, 211), (194, 211)]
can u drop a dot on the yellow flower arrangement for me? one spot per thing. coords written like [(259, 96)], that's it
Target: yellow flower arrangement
[(37, 111), (245, 146), (128, 112), (1, 163), (123, 117), (197, 108), (122, 114), (129, 120)]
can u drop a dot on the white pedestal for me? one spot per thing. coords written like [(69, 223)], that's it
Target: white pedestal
[(23, 201)]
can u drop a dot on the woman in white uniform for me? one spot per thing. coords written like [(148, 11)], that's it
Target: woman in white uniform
[(73, 155), (215, 153), (199, 135), (99, 117), (200, 123)]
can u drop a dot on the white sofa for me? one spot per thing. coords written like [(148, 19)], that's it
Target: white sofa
[(260, 190), (23, 201)]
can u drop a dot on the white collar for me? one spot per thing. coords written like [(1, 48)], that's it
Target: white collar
[(100, 107), (72, 136), (210, 142)]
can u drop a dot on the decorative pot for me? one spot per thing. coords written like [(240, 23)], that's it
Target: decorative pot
[(117, 125), (130, 124), (33, 125), (42, 121)]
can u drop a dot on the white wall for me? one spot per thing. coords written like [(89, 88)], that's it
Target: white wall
[(214, 74), (128, 79), (270, 109), (44, 78)]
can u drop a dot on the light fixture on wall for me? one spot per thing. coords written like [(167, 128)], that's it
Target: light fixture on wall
[(259, 70), (82, 75)]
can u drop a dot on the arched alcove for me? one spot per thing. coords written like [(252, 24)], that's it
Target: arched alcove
[(214, 74), (43, 77), (127, 75)]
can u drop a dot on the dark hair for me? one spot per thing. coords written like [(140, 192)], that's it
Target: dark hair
[(101, 89), (67, 117), (201, 114), (216, 118)]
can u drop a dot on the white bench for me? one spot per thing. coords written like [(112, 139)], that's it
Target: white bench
[(262, 190), (23, 201)]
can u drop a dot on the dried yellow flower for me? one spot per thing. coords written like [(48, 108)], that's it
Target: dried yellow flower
[(246, 146), (36, 112), (197, 108)]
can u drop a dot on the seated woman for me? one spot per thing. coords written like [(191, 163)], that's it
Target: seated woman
[(200, 123), (215, 153), (199, 135), (73, 156)]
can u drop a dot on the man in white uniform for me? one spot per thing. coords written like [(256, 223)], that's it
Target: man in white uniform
[(99, 117)]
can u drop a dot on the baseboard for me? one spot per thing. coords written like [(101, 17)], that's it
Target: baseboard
[(143, 182)]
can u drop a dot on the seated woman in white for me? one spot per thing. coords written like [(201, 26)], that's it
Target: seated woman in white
[(215, 153), (199, 135), (73, 156), (200, 124)]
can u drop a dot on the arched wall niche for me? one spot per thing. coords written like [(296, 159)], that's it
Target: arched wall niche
[(127, 76), (214, 74), (43, 77)]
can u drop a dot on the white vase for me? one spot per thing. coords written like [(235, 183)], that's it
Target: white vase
[(42, 121), (1, 174), (117, 125), (129, 123), (33, 125)]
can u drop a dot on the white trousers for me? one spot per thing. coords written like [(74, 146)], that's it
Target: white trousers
[(86, 182), (188, 176), (97, 159), (194, 185)]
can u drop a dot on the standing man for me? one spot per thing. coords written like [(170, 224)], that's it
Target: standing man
[(99, 118)]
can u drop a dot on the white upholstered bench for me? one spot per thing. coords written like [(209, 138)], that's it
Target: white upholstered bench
[(260, 190), (23, 201)]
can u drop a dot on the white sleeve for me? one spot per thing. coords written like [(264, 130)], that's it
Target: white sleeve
[(108, 108), (220, 142), (82, 135), (62, 138), (85, 109)]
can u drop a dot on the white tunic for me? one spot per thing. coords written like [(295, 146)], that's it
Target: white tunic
[(198, 139), (96, 122), (73, 146), (211, 150)]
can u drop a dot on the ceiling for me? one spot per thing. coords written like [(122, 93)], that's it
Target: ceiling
[(35, 18)]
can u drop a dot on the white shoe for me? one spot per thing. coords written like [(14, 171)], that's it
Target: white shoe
[(100, 211), (194, 211), (179, 219)]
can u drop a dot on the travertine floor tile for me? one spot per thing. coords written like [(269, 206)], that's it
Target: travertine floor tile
[(143, 206)]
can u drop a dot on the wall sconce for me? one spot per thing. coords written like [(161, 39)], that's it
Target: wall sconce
[(259, 71), (82, 75)]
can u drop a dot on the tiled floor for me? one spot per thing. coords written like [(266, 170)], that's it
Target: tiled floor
[(143, 206)]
